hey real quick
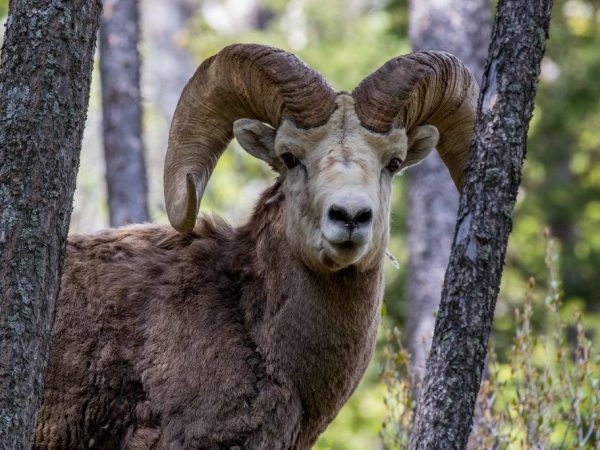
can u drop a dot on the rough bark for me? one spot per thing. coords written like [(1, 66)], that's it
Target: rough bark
[(45, 76), (122, 113), (444, 414), (462, 28)]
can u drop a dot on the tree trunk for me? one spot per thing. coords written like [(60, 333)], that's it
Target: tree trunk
[(462, 28), (122, 113), (44, 85), (445, 408)]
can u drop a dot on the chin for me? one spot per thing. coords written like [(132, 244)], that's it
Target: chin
[(338, 257)]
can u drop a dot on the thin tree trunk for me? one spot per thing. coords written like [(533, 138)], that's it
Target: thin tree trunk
[(445, 408), (462, 28), (45, 76), (122, 113)]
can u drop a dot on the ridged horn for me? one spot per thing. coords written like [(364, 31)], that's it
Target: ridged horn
[(241, 81), (432, 88)]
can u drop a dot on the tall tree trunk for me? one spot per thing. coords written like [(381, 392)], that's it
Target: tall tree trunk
[(122, 113), (445, 408), (45, 76), (461, 27)]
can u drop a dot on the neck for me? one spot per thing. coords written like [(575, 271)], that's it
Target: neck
[(315, 331)]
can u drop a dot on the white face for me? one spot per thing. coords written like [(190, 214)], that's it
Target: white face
[(337, 181)]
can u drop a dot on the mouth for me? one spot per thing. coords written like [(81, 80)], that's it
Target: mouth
[(341, 254), (347, 246)]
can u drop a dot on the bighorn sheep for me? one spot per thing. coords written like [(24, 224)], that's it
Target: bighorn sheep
[(214, 337)]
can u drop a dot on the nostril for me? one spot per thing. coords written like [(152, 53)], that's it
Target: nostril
[(339, 214), (363, 217)]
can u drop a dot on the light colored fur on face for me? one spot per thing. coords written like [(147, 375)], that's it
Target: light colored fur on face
[(340, 161)]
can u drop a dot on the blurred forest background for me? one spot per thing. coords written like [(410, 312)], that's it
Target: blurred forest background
[(345, 40)]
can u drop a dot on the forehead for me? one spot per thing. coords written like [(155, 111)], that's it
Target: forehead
[(342, 136)]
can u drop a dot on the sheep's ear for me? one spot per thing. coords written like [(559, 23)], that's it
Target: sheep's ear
[(258, 139), (421, 140)]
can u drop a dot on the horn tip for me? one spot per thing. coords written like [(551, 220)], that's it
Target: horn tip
[(182, 209)]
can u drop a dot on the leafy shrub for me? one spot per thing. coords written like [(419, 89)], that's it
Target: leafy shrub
[(546, 397)]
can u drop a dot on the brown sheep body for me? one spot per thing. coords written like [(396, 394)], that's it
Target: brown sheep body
[(169, 341), (249, 338)]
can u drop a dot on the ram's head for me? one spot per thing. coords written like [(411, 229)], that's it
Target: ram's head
[(336, 153)]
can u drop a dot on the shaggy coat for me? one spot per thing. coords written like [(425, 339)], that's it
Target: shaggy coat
[(219, 339)]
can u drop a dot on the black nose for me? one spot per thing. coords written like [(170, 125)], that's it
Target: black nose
[(340, 214)]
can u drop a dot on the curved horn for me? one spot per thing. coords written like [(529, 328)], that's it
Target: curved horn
[(423, 88), (241, 81)]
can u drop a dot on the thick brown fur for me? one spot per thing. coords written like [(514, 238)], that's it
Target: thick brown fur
[(218, 339)]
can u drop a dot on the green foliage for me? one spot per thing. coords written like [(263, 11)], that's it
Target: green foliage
[(399, 401), (545, 396), (344, 44), (398, 11), (561, 183)]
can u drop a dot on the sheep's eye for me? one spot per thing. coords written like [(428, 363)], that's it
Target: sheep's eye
[(290, 160), (394, 165)]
